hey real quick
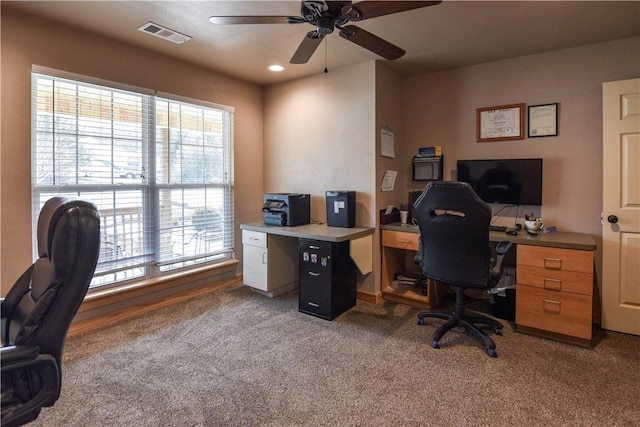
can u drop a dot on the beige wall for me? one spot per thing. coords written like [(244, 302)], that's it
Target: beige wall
[(440, 109), (322, 132), (389, 101), (319, 135), (27, 41)]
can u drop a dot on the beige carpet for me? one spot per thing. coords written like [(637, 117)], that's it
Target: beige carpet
[(236, 358)]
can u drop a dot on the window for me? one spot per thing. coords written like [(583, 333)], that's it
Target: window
[(159, 168)]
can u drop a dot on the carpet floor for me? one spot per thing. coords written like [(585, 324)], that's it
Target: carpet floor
[(237, 358)]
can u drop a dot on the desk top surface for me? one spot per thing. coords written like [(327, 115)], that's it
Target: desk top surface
[(556, 239), (310, 231)]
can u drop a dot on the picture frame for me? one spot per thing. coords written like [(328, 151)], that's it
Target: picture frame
[(500, 123), (542, 120)]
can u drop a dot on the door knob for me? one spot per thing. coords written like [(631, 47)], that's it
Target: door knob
[(612, 219)]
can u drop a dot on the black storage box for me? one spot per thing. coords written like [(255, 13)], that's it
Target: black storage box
[(341, 208), (504, 304)]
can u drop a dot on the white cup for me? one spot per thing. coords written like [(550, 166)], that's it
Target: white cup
[(404, 215), (533, 225)]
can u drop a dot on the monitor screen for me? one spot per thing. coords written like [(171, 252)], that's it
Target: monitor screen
[(506, 181)]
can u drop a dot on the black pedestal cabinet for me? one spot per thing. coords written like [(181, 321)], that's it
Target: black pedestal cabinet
[(327, 286)]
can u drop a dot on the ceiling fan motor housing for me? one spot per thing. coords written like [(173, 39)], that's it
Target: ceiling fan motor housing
[(325, 25)]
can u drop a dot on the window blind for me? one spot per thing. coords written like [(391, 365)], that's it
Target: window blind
[(159, 170)]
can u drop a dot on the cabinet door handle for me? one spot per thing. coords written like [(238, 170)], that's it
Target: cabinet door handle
[(264, 257), (314, 247), (313, 304), (313, 273), (554, 263), (551, 306), (553, 284)]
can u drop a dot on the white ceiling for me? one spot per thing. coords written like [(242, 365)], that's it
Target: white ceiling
[(448, 35)]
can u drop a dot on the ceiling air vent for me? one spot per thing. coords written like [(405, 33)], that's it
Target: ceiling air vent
[(164, 33)]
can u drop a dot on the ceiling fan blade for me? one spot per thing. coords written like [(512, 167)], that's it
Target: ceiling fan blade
[(371, 42), (371, 9), (309, 45), (231, 20)]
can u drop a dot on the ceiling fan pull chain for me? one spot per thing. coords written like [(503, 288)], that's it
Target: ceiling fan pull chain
[(326, 43)]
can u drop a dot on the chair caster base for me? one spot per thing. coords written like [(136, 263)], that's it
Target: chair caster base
[(435, 344), (492, 352)]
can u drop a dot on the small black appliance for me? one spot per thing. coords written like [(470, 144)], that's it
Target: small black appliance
[(341, 208), (286, 209)]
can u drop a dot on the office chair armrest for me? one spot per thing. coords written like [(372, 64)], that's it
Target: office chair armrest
[(501, 249), (17, 354), (29, 381)]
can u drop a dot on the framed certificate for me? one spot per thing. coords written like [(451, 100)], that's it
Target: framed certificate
[(543, 120), (500, 123)]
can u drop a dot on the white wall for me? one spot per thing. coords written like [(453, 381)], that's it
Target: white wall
[(319, 135)]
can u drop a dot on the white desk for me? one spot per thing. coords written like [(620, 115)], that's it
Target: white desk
[(271, 252)]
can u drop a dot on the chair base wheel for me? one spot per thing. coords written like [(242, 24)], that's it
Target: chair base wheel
[(435, 344), (420, 321), (499, 331), (492, 352)]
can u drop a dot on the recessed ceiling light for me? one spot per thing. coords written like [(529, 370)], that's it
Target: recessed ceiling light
[(276, 67)]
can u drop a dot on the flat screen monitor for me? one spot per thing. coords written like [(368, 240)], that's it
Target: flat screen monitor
[(505, 181)]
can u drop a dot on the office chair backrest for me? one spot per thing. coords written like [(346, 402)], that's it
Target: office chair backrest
[(454, 232), (38, 309)]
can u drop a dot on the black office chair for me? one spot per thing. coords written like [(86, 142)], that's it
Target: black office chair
[(38, 309), (455, 249)]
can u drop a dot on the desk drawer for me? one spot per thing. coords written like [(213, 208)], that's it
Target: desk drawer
[(560, 312), (254, 238), (555, 258), (315, 298), (401, 240), (555, 280), (316, 261)]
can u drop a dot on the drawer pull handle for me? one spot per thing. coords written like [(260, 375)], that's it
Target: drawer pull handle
[(555, 263), (313, 273), (404, 241), (254, 238), (553, 284), (314, 247), (551, 306), (313, 304)]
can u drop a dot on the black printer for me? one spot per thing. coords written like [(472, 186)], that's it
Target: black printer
[(288, 209)]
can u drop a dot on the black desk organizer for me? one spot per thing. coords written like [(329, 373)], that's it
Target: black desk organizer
[(327, 285)]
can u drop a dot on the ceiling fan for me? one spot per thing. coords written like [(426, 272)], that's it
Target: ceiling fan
[(327, 16)]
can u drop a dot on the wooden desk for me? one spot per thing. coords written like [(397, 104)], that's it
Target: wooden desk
[(554, 280)]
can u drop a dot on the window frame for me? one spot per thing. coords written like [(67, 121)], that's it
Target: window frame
[(149, 187)]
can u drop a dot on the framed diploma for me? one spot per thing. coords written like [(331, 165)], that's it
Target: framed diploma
[(543, 120), (500, 123)]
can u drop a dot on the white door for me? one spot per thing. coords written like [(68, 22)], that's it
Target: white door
[(621, 207)]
